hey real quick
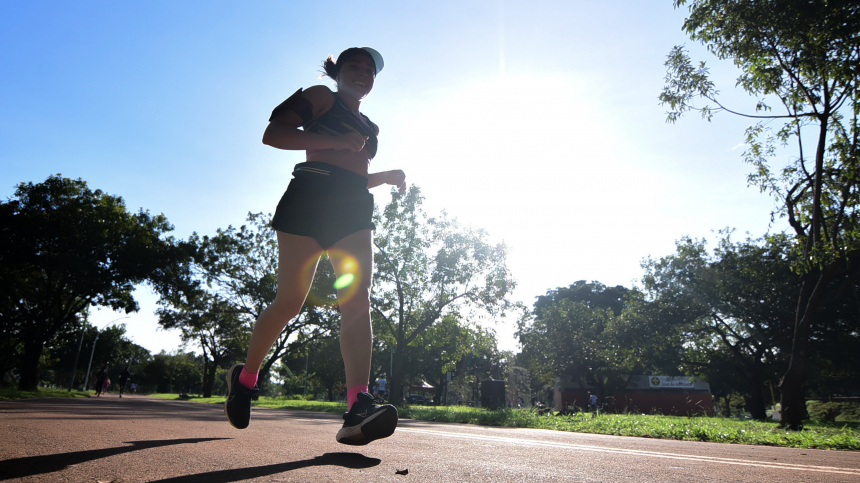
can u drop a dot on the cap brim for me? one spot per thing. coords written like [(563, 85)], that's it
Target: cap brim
[(376, 56)]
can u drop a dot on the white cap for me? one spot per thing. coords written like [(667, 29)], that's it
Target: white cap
[(376, 56)]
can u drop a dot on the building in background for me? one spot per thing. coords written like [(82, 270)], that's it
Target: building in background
[(671, 395)]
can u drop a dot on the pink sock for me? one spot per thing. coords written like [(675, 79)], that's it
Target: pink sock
[(247, 379), (352, 395)]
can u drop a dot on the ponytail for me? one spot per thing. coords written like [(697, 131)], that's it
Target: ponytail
[(330, 68)]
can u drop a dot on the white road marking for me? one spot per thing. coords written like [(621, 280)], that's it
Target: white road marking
[(632, 452), (650, 454)]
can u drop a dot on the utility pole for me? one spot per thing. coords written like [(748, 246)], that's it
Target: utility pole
[(77, 355), (306, 374), (98, 331)]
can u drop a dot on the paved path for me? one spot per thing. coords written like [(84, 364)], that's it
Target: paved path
[(137, 439)]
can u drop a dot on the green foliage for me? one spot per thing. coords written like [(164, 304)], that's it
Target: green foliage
[(316, 365), (10, 393), (731, 311), (64, 248), (428, 268), (236, 280), (210, 322), (580, 331), (450, 346), (178, 371), (802, 56), (833, 411)]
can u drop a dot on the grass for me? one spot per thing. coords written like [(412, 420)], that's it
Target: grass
[(845, 437), (835, 436), (269, 402), (13, 393)]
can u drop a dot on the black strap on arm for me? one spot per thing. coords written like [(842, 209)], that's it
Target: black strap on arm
[(296, 103)]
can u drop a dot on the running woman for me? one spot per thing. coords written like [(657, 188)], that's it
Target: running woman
[(327, 207)]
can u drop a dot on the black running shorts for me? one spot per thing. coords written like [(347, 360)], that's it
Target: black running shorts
[(324, 202)]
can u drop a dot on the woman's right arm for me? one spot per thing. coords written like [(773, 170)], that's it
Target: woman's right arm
[(283, 131)]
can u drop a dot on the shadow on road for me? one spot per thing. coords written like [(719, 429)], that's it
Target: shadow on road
[(37, 465), (347, 460)]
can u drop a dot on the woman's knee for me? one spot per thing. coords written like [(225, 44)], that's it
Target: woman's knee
[(285, 307), (356, 300)]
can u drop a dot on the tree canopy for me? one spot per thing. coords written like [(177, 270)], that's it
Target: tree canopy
[(581, 331), (427, 268), (236, 280), (64, 248), (800, 60)]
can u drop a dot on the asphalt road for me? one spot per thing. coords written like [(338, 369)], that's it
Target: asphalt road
[(136, 439)]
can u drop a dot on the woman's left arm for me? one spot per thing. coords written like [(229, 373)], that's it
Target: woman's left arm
[(395, 177)]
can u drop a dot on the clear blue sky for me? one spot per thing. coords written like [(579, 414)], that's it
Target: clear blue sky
[(537, 121)]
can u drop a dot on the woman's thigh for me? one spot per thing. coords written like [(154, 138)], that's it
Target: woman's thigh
[(298, 257), (352, 260)]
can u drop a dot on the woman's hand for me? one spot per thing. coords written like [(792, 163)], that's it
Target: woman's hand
[(351, 141), (395, 177)]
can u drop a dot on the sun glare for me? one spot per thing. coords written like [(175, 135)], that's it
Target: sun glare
[(530, 158), (516, 147)]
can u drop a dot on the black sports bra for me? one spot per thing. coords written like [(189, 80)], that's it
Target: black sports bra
[(340, 120)]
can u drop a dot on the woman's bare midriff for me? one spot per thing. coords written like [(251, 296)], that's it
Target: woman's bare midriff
[(356, 162)]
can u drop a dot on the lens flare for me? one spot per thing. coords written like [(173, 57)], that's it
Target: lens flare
[(349, 274), (344, 281)]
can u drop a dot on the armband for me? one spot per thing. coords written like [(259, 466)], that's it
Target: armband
[(296, 103)]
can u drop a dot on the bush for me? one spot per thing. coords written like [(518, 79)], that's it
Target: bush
[(833, 411)]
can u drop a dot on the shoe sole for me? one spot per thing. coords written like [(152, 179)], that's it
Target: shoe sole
[(229, 389), (381, 425)]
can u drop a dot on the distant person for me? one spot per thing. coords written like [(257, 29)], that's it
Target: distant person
[(459, 399), (326, 207), (106, 385), (133, 388), (382, 386), (101, 378), (123, 380), (592, 402)]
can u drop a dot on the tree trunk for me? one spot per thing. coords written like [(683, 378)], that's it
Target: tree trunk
[(793, 404), (396, 383), (757, 409), (30, 370), (209, 380)]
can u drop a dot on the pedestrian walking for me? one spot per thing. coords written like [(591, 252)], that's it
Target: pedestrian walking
[(592, 402), (381, 387), (326, 207), (123, 380), (101, 379)]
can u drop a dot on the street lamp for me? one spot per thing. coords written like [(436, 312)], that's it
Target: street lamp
[(77, 355), (98, 331)]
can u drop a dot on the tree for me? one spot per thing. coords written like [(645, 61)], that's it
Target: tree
[(166, 373), (64, 248), (212, 324), (427, 268), (325, 360), (237, 280), (804, 56), (446, 346), (730, 312), (578, 331)]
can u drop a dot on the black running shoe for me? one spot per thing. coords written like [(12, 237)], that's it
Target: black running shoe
[(237, 407), (367, 421)]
